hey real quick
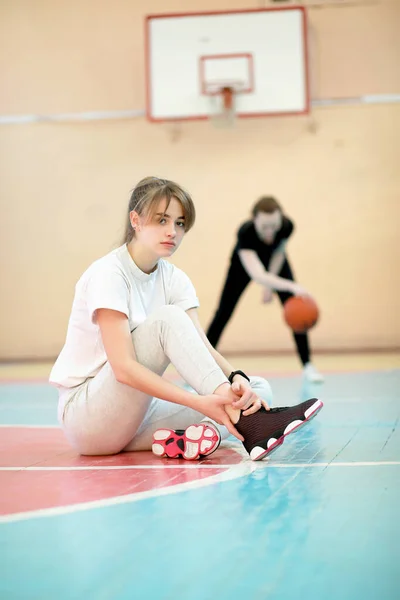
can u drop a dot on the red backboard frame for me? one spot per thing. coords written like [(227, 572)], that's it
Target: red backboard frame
[(203, 84)]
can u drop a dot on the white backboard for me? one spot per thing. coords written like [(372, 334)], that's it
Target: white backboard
[(262, 53)]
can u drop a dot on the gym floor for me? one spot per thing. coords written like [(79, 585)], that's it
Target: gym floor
[(318, 519)]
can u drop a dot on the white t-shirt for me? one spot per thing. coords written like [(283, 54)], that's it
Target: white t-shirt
[(115, 282)]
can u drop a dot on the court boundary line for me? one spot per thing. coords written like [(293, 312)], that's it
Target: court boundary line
[(199, 466), (239, 470)]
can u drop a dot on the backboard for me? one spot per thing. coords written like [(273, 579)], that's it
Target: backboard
[(261, 54)]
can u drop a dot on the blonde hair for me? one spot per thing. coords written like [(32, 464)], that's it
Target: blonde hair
[(146, 196)]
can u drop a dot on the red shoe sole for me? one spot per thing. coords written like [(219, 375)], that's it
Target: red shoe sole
[(194, 442)]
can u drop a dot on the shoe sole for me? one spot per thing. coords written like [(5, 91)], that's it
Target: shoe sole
[(197, 440), (258, 453)]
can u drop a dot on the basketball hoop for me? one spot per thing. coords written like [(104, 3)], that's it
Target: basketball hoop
[(227, 97), (223, 113)]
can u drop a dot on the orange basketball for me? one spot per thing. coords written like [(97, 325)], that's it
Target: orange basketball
[(300, 313)]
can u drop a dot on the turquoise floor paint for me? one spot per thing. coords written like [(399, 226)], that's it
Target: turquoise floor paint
[(312, 523)]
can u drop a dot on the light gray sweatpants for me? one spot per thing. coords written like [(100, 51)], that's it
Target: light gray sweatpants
[(103, 416)]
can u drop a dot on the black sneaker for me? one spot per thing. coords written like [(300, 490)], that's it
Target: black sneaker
[(265, 430)]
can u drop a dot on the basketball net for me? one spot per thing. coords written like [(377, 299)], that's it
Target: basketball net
[(223, 113)]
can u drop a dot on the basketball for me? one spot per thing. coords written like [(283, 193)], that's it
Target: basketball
[(300, 313)]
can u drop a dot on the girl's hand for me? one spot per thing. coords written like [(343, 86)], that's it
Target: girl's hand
[(212, 406), (247, 400)]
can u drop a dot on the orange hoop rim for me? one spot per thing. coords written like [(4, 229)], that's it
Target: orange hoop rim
[(227, 93)]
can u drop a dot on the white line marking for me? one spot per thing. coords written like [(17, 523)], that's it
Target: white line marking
[(237, 471), (119, 468), (234, 472), (263, 464), (336, 464)]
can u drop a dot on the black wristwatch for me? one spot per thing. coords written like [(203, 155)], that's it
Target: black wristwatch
[(232, 375)]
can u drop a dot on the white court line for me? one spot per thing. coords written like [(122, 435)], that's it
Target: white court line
[(234, 472), (237, 471), (263, 464), (120, 468)]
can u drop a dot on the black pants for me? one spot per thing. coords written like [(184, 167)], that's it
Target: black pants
[(235, 284)]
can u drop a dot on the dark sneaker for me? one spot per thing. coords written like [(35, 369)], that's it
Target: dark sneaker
[(196, 441), (265, 430)]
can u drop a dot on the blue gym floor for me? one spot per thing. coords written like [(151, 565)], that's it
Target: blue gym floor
[(319, 520)]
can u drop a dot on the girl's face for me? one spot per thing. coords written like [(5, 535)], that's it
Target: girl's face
[(267, 225), (162, 233)]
